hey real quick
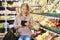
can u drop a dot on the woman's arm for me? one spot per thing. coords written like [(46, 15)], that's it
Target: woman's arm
[(31, 22), (16, 26)]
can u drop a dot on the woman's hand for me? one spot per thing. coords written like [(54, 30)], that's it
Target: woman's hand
[(27, 23), (17, 26)]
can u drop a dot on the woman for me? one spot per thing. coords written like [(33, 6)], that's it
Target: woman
[(23, 23)]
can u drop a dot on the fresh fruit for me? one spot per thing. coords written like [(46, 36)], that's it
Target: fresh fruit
[(41, 18), (39, 37), (1, 25), (54, 26), (33, 35), (43, 36), (35, 17), (36, 26), (54, 37), (58, 24), (58, 21), (50, 36), (42, 2)]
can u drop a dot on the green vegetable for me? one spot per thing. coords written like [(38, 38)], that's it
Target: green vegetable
[(1, 25)]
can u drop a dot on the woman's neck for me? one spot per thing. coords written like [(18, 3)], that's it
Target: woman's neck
[(24, 14)]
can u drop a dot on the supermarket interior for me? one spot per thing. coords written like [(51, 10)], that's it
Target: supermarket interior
[(45, 13)]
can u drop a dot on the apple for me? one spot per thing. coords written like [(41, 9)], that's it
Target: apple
[(33, 35), (54, 26), (58, 20), (57, 23), (52, 34)]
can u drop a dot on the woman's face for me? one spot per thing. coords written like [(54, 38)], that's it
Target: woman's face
[(24, 9)]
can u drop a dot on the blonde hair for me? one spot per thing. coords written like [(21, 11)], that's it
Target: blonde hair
[(25, 5)]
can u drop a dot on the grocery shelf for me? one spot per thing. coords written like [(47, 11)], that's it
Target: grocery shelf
[(50, 31), (1, 14), (57, 33), (11, 8), (14, 7), (2, 21), (2, 0), (55, 15), (12, 14), (10, 0), (7, 14), (13, 0), (2, 34), (9, 21), (35, 6), (2, 8)]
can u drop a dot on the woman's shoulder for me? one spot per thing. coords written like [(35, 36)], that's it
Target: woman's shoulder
[(30, 15), (17, 16)]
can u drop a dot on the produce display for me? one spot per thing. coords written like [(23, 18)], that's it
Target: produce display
[(11, 12), (51, 35), (57, 8), (12, 4), (38, 32), (52, 7), (2, 28), (7, 17), (56, 37), (36, 26), (42, 2), (42, 35), (35, 2), (4, 17), (37, 10), (2, 3), (48, 23), (1, 25)]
